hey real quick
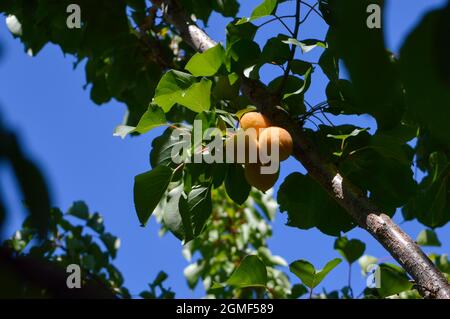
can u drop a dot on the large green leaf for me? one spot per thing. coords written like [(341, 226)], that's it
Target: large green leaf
[(393, 280), (171, 213), (206, 63), (427, 90), (163, 145), (431, 203), (251, 272), (182, 88), (311, 277), (308, 205), (236, 185), (330, 65), (195, 209), (275, 51), (148, 190), (238, 32), (389, 181), (242, 54), (262, 10), (152, 118), (377, 85), (351, 250)]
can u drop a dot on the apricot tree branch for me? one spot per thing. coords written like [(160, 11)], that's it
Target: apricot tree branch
[(430, 282)]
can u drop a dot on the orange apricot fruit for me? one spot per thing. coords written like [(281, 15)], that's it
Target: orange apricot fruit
[(257, 179), (254, 120), (284, 141)]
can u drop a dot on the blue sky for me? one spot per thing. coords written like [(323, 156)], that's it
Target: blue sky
[(43, 99)]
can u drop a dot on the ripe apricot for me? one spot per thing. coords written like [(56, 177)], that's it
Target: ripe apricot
[(261, 181), (254, 120), (284, 141)]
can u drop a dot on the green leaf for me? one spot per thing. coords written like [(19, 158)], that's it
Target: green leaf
[(275, 52), (229, 8), (264, 9), (182, 88), (95, 222), (152, 118), (341, 97), (171, 214), (431, 203), (308, 205), (236, 185), (307, 44), (428, 237), (195, 210), (206, 63), (330, 65), (351, 250), (79, 209), (162, 147), (372, 69), (301, 67), (111, 242), (393, 280), (242, 54), (297, 291), (148, 190), (390, 182), (239, 32), (251, 272), (427, 90), (302, 89), (311, 277)]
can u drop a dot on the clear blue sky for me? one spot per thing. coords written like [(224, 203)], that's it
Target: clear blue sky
[(71, 138)]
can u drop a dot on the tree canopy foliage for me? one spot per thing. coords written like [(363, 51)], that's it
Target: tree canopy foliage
[(138, 53)]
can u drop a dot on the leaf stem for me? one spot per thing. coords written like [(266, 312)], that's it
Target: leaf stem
[(349, 283)]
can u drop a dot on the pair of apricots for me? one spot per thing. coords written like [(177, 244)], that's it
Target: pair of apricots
[(265, 131)]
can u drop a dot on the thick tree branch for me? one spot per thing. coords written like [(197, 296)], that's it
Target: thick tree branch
[(429, 280)]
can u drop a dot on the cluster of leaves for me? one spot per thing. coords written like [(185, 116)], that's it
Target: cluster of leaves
[(388, 280), (78, 237), (408, 109), (233, 233)]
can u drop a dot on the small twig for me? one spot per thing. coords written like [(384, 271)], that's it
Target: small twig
[(312, 8), (285, 25), (350, 280), (275, 19)]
